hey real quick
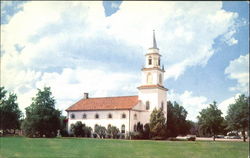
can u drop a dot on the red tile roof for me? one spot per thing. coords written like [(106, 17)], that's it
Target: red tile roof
[(106, 103)]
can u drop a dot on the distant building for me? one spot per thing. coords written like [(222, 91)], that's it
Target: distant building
[(125, 112)]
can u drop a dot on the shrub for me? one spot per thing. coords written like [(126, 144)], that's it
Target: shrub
[(81, 130), (112, 132), (101, 131), (64, 133)]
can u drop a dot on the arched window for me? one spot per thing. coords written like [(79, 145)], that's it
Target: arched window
[(135, 128), (97, 116), (72, 116), (159, 62), (149, 60), (147, 105), (160, 78), (135, 116), (110, 116), (162, 105), (123, 129), (84, 116), (123, 115), (149, 78)]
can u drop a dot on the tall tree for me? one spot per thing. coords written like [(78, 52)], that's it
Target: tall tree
[(238, 115), (176, 120), (10, 113), (41, 116), (157, 123), (210, 120)]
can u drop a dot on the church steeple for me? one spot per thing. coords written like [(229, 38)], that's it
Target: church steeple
[(152, 92), (154, 41)]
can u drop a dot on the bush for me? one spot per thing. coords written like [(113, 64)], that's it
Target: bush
[(94, 135), (101, 131), (64, 133), (136, 135), (80, 130), (112, 132), (158, 138)]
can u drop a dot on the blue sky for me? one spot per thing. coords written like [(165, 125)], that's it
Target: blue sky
[(98, 47)]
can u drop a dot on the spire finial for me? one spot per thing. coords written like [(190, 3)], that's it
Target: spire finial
[(154, 41)]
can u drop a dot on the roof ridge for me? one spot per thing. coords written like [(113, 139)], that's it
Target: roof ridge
[(113, 97)]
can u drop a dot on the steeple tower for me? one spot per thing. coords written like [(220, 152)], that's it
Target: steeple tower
[(152, 91)]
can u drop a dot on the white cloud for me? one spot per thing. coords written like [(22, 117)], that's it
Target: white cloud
[(223, 106), (238, 69), (193, 104), (62, 39), (115, 5), (229, 39)]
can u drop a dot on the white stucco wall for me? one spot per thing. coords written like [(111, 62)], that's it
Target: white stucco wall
[(103, 119), (155, 77), (155, 97)]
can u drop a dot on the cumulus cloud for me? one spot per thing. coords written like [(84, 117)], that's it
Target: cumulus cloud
[(46, 42), (238, 70), (223, 106), (193, 104)]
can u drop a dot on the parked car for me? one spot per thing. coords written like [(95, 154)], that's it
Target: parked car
[(219, 136), (233, 137)]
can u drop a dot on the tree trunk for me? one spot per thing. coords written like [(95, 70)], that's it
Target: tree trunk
[(213, 137), (244, 136)]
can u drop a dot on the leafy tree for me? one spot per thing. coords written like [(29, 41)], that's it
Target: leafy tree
[(101, 131), (78, 129), (176, 120), (210, 120), (139, 128), (87, 131), (113, 131), (63, 126), (238, 115), (157, 123), (41, 116), (146, 131), (81, 130), (10, 113)]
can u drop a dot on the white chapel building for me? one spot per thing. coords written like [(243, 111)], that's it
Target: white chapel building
[(125, 112)]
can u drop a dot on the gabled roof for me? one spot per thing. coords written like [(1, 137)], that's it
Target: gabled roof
[(105, 103)]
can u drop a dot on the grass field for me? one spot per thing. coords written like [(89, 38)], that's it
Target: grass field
[(22, 147)]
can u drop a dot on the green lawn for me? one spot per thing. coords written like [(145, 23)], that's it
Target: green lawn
[(107, 148)]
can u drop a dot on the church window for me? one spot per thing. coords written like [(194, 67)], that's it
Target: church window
[(159, 62), (147, 105), (162, 105), (160, 79), (123, 115), (135, 116), (72, 116), (84, 116), (149, 78), (150, 60), (123, 129), (97, 116), (110, 116)]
